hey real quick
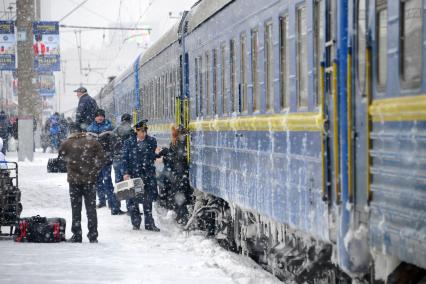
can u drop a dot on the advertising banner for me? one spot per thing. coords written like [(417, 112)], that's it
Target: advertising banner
[(7, 45), (46, 84), (46, 46)]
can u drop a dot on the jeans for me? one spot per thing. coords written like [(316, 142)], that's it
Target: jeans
[(106, 189), (77, 192)]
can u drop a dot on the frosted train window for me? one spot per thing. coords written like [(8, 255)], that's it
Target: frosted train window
[(207, 83), (302, 58), (284, 63), (269, 66), (254, 66), (215, 83), (361, 42), (157, 98), (162, 104), (319, 46), (196, 86), (382, 42), (243, 72), (223, 78), (200, 77), (411, 41), (232, 59)]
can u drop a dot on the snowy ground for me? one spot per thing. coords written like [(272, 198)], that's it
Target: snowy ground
[(122, 255)]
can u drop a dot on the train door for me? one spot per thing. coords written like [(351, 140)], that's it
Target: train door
[(329, 106), (360, 80)]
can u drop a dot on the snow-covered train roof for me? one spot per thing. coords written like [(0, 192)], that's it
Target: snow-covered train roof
[(203, 10), (200, 12), (162, 43)]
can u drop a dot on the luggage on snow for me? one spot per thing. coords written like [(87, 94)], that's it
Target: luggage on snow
[(38, 229), (56, 165)]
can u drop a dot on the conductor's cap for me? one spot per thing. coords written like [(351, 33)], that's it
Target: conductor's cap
[(142, 124)]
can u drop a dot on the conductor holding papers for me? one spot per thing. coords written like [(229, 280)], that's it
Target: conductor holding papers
[(138, 162)]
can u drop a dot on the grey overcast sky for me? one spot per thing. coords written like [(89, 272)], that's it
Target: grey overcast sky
[(113, 13), (104, 51)]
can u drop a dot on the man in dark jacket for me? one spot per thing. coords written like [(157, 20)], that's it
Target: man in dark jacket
[(85, 158), (5, 129), (86, 108), (103, 130), (120, 134), (138, 162)]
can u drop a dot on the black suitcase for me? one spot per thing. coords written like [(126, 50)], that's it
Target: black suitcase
[(56, 165), (38, 229)]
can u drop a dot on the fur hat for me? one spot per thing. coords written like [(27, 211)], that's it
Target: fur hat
[(100, 112)]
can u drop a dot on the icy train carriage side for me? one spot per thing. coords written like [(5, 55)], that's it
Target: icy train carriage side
[(308, 129)]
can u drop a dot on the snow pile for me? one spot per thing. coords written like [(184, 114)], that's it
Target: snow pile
[(122, 255)]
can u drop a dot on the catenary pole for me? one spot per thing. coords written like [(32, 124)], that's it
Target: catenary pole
[(28, 105)]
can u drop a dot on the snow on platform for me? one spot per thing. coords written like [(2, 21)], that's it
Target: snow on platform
[(122, 255)]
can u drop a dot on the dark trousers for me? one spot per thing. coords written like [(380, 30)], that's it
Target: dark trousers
[(77, 192), (135, 216)]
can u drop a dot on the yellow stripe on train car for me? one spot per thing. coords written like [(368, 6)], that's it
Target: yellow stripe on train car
[(164, 127), (311, 122), (410, 108)]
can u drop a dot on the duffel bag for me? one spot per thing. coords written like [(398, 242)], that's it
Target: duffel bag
[(56, 165), (38, 229)]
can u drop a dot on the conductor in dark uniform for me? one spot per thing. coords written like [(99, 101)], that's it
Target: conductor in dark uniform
[(138, 162)]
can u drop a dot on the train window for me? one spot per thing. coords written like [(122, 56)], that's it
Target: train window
[(200, 78), (196, 86), (162, 104), (269, 66), (285, 63), (157, 103), (302, 62), (232, 70), (215, 83), (243, 72), (319, 46), (207, 83), (361, 42), (254, 67), (223, 78), (411, 41), (382, 42)]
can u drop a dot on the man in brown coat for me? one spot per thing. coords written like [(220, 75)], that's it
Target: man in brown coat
[(85, 158)]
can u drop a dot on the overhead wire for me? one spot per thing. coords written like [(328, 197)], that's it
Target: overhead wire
[(150, 3)]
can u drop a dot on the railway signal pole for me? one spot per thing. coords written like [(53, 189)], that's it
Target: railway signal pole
[(28, 105)]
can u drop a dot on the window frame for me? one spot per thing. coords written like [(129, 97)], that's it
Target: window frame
[(380, 7), (302, 61), (255, 69), (409, 84), (269, 65)]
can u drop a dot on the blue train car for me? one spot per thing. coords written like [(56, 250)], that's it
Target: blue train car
[(160, 85), (307, 121)]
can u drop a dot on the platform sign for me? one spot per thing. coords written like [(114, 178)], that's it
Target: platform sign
[(46, 46), (46, 84), (7, 45)]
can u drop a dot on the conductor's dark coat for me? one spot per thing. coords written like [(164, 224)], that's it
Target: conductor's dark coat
[(138, 161)]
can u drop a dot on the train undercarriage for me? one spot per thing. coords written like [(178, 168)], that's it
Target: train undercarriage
[(286, 253)]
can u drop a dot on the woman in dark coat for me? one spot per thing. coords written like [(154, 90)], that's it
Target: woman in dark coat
[(138, 162), (177, 191)]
